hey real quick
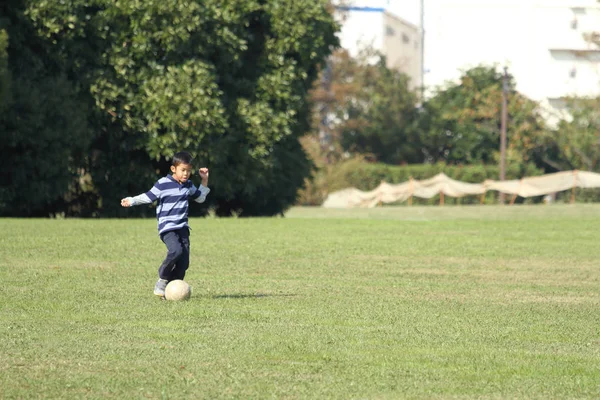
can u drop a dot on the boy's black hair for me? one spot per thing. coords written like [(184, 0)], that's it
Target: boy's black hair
[(182, 157)]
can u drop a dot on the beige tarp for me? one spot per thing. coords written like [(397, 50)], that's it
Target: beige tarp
[(442, 184), (526, 187), (351, 197), (536, 185)]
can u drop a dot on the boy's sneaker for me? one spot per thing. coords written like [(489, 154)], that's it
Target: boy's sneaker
[(159, 288)]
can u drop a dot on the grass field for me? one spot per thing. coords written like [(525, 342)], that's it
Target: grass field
[(410, 302)]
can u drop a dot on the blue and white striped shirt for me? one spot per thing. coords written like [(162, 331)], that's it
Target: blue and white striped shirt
[(172, 200)]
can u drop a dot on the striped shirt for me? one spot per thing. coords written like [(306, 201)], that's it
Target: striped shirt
[(172, 200)]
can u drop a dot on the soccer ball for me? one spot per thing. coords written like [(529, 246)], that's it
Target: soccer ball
[(178, 290)]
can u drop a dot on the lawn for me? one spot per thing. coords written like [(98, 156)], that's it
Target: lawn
[(481, 302)]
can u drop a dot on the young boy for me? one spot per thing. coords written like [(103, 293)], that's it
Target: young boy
[(172, 194)]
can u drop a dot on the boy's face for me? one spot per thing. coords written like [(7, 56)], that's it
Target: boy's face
[(181, 172)]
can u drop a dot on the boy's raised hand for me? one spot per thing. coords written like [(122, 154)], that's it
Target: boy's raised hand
[(125, 203), (203, 173)]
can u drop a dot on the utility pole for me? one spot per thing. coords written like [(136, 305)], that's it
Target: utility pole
[(324, 130), (503, 130)]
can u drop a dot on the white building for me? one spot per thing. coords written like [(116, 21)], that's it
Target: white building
[(369, 24), (541, 41)]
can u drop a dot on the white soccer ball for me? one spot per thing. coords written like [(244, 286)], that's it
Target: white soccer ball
[(178, 290)]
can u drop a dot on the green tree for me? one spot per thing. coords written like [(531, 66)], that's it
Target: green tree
[(226, 80), (461, 122), (370, 108), (575, 143), (43, 121), (330, 94), (380, 120)]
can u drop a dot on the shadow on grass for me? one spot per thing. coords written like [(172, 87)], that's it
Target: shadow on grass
[(249, 296)]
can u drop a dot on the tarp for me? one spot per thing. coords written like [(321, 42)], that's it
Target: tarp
[(536, 185), (428, 188)]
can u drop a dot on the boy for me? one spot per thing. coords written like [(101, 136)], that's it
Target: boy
[(172, 194)]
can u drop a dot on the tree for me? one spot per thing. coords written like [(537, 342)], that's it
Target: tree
[(461, 122), (371, 109), (575, 144), (43, 124), (226, 80), (336, 84), (383, 117)]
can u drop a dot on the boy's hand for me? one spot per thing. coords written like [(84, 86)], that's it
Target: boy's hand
[(125, 203), (203, 173)]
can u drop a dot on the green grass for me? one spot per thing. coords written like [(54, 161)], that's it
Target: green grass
[(408, 302)]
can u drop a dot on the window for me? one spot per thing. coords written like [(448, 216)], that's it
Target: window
[(574, 23), (389, 31), (573, 72), (405, 38)]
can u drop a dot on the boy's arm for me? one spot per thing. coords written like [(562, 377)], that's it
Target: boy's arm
[(201, 192), (145, 198), (136, 200)]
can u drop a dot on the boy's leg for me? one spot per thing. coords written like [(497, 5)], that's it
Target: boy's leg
[(174, 252), (183, 262)]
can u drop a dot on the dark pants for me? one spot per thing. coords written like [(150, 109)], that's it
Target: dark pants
[(178, 254)]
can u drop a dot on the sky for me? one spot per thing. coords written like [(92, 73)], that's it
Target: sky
[(406, 9)]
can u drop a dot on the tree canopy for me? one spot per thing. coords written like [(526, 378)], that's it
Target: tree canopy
[(370, 108), (575, 144), (44, 126), (377, 115), (461, 122), (118, 87)]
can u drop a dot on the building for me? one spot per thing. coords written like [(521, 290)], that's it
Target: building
[(373, 26), (542, 42), (573, 61)]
